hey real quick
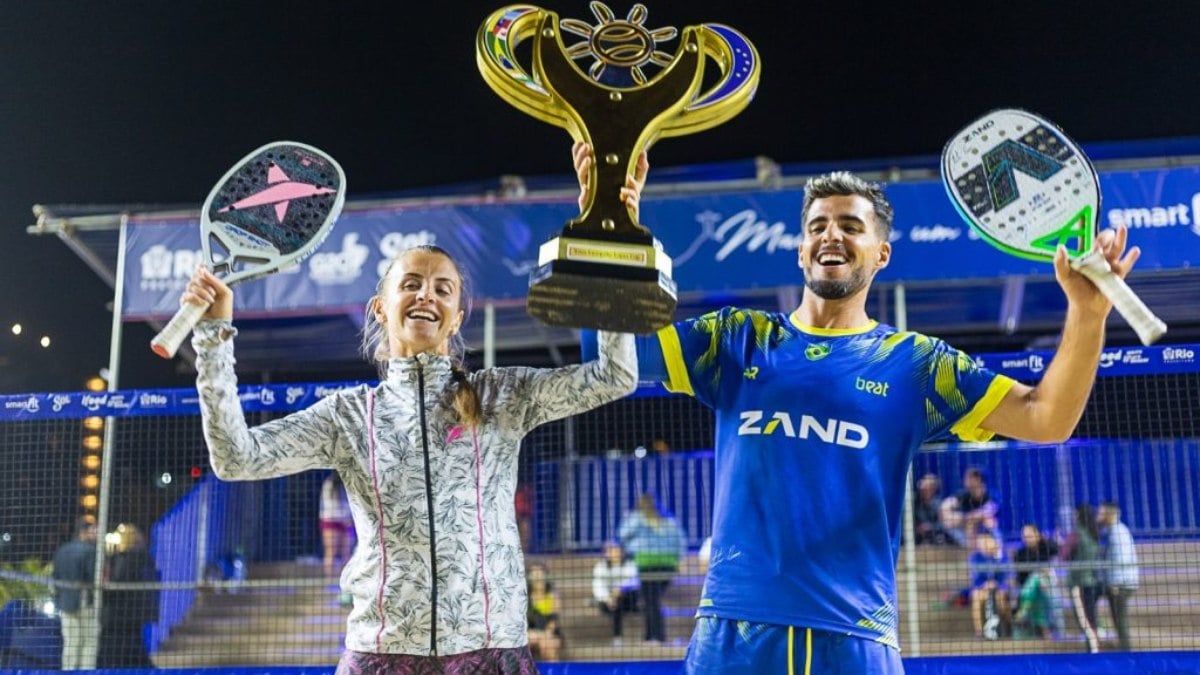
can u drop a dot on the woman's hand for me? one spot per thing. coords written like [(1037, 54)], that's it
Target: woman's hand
[(204, 288)]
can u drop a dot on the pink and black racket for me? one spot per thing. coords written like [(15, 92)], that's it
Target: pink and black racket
[(1026, 188), (269, 212)]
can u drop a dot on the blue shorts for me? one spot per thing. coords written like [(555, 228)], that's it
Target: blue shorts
[(728, 646)]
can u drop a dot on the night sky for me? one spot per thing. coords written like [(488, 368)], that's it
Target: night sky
[(150, 102)]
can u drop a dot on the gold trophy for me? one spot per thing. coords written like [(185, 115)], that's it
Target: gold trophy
[(605, 270)]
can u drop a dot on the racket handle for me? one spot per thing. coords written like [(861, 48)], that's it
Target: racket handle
[(1148, 327), (167, 342)]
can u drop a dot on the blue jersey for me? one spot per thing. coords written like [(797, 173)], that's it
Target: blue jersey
[(816, 430)]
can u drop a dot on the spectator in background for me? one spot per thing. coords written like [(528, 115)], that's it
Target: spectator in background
[(964, 513), (927, 518), (74, 571), (126, 611), (1037, 604), (1036, 552), (990, 613), (660, 446), (523, 505), (337, 524), (545, 633), (615, 586), (1121, 569), (657, 545), (1082, 551)]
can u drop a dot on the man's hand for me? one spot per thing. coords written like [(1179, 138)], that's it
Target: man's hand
[(581, 154), (1081, 292)]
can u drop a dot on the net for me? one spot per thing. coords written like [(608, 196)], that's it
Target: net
[(196, 572)]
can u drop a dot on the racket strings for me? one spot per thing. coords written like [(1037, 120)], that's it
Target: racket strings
[(287, 224)]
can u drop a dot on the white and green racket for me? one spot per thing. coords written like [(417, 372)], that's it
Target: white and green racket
[(1026, 187)]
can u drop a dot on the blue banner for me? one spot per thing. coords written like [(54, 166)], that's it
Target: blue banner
[(719, 242), (1114, 361)]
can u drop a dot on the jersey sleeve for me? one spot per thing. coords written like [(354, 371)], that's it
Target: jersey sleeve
[(691, 354), (960, 394)]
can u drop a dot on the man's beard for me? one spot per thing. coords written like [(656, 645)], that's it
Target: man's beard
[(830, 289)]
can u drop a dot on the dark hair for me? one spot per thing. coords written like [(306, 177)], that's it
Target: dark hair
[(846, 184), (375, 344), (1085, 519)]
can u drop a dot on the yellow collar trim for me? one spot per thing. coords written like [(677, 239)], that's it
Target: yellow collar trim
[(832, 332)]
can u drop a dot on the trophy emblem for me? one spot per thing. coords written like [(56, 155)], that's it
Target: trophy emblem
[(605, 270)]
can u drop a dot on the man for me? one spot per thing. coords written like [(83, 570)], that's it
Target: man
[(1121, 571), (74, 569), (819, 413), (972, 508)]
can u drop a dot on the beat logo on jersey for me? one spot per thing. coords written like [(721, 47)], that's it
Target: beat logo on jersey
[(837, 432)]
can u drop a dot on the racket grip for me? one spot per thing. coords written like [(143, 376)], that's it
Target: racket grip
[(1149, 328), (167, 342)]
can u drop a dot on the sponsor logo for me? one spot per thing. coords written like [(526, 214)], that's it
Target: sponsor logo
[(264, 396), (94, 402), (394, 243), (293, 394), (1178, 355), (28, 405), (933, 234), (1135, 356), (838, 432), (164, 269), (339, 267), (818, 351), (1172, 215), (872, 387), (147, 400), (979, 363), (322, 391), (59, 402), (750, 373), (1109, 357), (745, 230), (1033, 362)]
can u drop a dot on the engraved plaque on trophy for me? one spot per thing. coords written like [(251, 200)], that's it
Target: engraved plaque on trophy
[(605, 270)]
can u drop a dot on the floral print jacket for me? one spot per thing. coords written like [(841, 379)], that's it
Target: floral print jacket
[(437, 571)]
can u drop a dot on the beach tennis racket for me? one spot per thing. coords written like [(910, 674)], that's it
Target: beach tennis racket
[(1026, 187), (269, 212)]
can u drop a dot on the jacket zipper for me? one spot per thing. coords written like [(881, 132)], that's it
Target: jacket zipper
[(433, 592)]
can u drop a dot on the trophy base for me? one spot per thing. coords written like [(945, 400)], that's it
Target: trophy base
[(575, 294)]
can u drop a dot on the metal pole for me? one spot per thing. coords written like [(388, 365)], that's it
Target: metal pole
[(908, 570), (106, 457), (489, 335)]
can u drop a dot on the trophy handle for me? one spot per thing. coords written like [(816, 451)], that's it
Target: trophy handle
[(740, 68), (498, 38)]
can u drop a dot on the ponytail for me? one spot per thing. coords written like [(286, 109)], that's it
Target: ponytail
[(466, 399)]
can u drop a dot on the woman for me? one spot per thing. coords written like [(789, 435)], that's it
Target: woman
[(657, 545), (545, 634), (615, 586), (429, 461), (1082, 551)]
